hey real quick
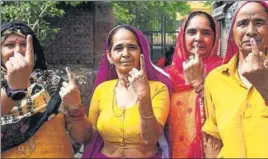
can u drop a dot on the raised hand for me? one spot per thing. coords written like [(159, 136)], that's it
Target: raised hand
[(19, 67), (255, 69), (69, 92), (193, 69), (139, 82)]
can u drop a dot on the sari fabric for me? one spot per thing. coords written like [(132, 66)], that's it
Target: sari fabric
[(34, 127), (106, 73), (184, 123)]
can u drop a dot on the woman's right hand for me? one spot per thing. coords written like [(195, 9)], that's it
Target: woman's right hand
[(19, 67), (193, 69), (69, 92)]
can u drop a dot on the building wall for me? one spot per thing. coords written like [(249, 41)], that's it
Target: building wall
[(223, 39), (80, 44), (82, 35), (104, 22), (219, 9)]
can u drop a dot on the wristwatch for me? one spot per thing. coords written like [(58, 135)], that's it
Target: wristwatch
[(15, 94)]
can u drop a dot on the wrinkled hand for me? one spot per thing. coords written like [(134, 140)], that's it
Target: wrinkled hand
[(69, 92), (193, 69), (19, 67), (139, 82), (255, 69)]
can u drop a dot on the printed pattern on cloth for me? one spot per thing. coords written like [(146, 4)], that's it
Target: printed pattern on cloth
[(29, 114)]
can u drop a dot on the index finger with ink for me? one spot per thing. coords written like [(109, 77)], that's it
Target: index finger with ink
[(254, 47), (70, 75), (142, 63), (29, 54), (196, 51)]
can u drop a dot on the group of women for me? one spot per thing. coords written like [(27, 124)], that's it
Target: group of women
[(200, 106)]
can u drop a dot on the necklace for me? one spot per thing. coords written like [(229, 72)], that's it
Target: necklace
[(113, 103)]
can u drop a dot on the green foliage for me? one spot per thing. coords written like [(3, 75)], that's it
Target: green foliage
[(36, 15), (208, 3), (148, 14)]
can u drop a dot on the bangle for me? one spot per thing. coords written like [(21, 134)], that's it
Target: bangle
[(146, 117), (266, 103), (198, 88), (75, 108), (77, 114)]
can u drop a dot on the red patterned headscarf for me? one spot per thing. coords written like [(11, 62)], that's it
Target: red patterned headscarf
[(176, 71)]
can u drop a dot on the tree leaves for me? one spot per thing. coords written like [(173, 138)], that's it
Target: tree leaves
[(144, 13), (35, 14)]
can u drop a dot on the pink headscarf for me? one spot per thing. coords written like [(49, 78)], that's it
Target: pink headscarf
[(105, 72), (232, 48)]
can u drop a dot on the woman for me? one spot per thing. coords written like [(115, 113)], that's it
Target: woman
[(237, 114), (194, 57), (166, 61), (31, 124), (130, 103)]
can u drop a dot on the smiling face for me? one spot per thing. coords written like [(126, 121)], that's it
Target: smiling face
[(251, 22), (125, 51), (199, 31), (12, 43)]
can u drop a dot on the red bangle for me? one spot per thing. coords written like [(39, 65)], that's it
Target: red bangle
[(199, 88), (266, 103), (77, 114)]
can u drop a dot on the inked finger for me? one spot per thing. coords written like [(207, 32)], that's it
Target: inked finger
[(29, 54), (254, 47), (142, 64), (70, 75), (196, 52)]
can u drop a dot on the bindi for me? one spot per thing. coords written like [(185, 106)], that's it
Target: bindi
[(250, 15)]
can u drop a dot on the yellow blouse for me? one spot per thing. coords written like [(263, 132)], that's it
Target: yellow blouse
[(123, 126), (235, 114), (50, 141)]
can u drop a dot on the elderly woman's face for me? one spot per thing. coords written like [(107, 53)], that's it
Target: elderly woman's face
[(251, 22), (125, 52), (11, 44), (199, 32)]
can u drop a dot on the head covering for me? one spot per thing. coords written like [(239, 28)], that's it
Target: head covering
[(105, 72), (176, 70), (39, 62), (195, 147), (229, 16), (42, 99), (232, 48)]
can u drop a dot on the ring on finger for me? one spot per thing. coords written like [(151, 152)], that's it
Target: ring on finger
[(143, 77)]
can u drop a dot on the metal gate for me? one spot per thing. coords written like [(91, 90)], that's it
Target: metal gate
[(161, 34)]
